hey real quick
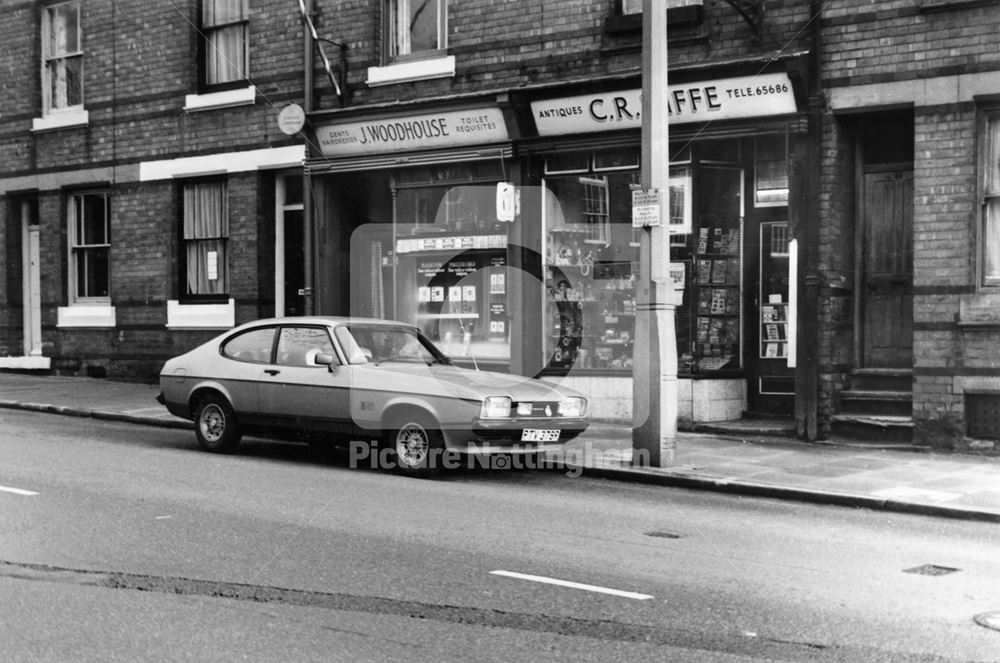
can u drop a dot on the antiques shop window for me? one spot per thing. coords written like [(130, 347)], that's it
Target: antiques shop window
[(591, 259), (205, 237), (90, 247)]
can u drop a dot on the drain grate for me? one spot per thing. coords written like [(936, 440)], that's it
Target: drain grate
[(931, 570), (982, 416), (664, 535)]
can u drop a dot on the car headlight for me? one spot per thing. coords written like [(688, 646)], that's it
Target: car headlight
[(495, 407), (573, 407)]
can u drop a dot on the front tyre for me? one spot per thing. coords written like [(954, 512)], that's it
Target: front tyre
[(215, 425), (417, 446)]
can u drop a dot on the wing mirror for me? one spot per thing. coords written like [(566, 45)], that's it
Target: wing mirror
[(325, 359)]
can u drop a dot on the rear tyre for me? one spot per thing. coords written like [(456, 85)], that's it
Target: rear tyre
[(416, 446), (215, 425)]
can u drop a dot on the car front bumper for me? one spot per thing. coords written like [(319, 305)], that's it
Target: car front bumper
[(506, 435)]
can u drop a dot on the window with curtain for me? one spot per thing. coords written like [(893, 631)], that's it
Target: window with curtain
[(90, 247), (62, 55), (206, 231), (225, 41), (991, 203), (415, 26)]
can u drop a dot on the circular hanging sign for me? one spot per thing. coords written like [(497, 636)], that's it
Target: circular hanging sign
[(291, 119)]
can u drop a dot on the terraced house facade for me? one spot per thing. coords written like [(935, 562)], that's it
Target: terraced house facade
[(907, 281), (467, 166)]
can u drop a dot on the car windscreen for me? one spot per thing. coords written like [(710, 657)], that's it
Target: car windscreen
[(380, 343)]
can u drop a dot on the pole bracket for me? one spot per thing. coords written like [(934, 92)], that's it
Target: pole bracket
[(752, 12)]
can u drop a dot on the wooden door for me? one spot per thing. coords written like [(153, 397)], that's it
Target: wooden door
[(886, 287)]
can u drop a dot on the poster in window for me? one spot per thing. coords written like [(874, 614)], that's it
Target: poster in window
[(212, 265), (680, 203), (704, 271)]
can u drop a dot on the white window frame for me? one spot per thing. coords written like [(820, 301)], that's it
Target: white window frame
[(398, 38), (54, 60), (626, 7), (989, 269), (79, 250), (208, 30), (220, 265)]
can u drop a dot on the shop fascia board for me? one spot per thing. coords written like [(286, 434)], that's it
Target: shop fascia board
[(936, 91)]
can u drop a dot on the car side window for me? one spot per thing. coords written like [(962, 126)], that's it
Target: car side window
[(298, 346), (253, 346)]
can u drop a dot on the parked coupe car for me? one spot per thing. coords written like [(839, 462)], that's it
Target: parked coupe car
[(344, 378)]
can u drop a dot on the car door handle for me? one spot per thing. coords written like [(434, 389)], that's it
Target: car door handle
[(271, 371)]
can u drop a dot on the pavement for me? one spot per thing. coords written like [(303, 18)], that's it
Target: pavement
[(745, 457)]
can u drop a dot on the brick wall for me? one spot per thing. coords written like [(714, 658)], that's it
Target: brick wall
[(140, 62), (835, 308), (887, 41)]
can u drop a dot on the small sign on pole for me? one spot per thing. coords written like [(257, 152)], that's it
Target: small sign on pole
[(291, 119), (646, 208)]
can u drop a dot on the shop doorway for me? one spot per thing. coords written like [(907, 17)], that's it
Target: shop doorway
[(289, 247), (885, 288)]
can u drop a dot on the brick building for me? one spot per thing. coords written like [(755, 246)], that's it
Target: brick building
[(909, 314), (467, 166), (114, 112)]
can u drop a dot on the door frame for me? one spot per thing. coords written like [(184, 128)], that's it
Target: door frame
[(861, 170), (31, 282), (281, 207)]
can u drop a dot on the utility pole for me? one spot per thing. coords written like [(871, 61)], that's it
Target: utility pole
[(654, 377)]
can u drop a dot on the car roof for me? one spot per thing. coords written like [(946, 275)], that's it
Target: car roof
[(329, 320)]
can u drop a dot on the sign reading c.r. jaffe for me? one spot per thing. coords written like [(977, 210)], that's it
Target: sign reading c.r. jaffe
[(703, 101), (452, 128)]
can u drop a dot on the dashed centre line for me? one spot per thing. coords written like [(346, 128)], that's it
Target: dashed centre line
[(573, 585), (17, 491)]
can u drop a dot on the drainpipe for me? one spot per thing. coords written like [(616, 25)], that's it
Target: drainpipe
[(807, 375), (308, 224)]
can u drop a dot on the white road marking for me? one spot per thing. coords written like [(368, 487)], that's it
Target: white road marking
[(17, 491), (573, 585)]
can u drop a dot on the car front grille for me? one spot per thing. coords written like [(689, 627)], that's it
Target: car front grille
[(544, 409)]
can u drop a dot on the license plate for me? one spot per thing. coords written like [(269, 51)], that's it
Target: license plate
[(539, 435)]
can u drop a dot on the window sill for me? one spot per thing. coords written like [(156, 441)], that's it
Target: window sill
[(61, 120), (935, 6), (413, 70), (979, 310), (225, 99), (86, 315), (201, 316)]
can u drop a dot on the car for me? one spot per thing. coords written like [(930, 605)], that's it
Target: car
[(342, 379)]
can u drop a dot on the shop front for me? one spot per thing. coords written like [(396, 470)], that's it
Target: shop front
[(415, 216), (507, 235), (731, 142)]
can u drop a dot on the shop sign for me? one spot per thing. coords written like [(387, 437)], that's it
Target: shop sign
[(704, 101), (417, 244), (412, 132), (646, 209)]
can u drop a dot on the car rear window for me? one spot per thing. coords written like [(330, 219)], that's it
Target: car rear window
[(253, 346)]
